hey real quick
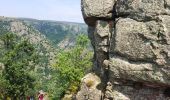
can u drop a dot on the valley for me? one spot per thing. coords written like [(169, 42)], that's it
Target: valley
[(59, 50)]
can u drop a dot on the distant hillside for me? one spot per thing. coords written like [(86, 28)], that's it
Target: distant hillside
[(59, 33), (45, 35), (24, 31)]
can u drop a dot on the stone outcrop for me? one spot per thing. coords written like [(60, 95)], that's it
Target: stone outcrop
[(131, 40), (89, 88)]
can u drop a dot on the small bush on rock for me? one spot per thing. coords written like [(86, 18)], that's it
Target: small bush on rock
[(89, 83)]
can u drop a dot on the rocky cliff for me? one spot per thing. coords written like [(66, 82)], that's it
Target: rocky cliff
[(131, 41)]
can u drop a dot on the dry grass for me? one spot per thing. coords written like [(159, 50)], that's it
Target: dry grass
[(89, 83)]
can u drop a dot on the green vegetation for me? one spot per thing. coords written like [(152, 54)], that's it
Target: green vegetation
[(71, 66), (19, 78), (29, 63), (19, 59)]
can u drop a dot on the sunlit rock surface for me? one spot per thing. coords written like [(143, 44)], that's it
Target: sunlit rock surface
[(131, 40)]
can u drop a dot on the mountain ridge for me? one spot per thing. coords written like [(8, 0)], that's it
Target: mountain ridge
[(56, 31), (49, 20)]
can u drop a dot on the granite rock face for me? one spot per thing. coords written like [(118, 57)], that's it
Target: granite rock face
[(131, 40), (95, 9)]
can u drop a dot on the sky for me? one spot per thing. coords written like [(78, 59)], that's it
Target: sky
[(59, 10)]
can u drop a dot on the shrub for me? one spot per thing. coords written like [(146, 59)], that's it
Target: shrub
[(89, 83), (73, 63)]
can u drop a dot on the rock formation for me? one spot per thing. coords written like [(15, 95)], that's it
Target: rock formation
[(131, 41)]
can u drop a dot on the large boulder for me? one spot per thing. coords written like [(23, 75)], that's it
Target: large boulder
[(141, 9), (142, 41), (138, 71), (131, 41), (94, 9), (89, 88)]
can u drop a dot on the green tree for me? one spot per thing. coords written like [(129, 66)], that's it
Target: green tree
[(72, 64), (3, 85), (19, 59)]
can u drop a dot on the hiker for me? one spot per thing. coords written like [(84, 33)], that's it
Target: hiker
[(41, 95), (31, 97)]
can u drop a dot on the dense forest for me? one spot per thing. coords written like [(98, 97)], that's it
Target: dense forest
[(30, 62)]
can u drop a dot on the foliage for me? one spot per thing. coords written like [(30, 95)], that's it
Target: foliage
[(3, 85), (89, 83), (27, 66), (19, 59), (72, 65)]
